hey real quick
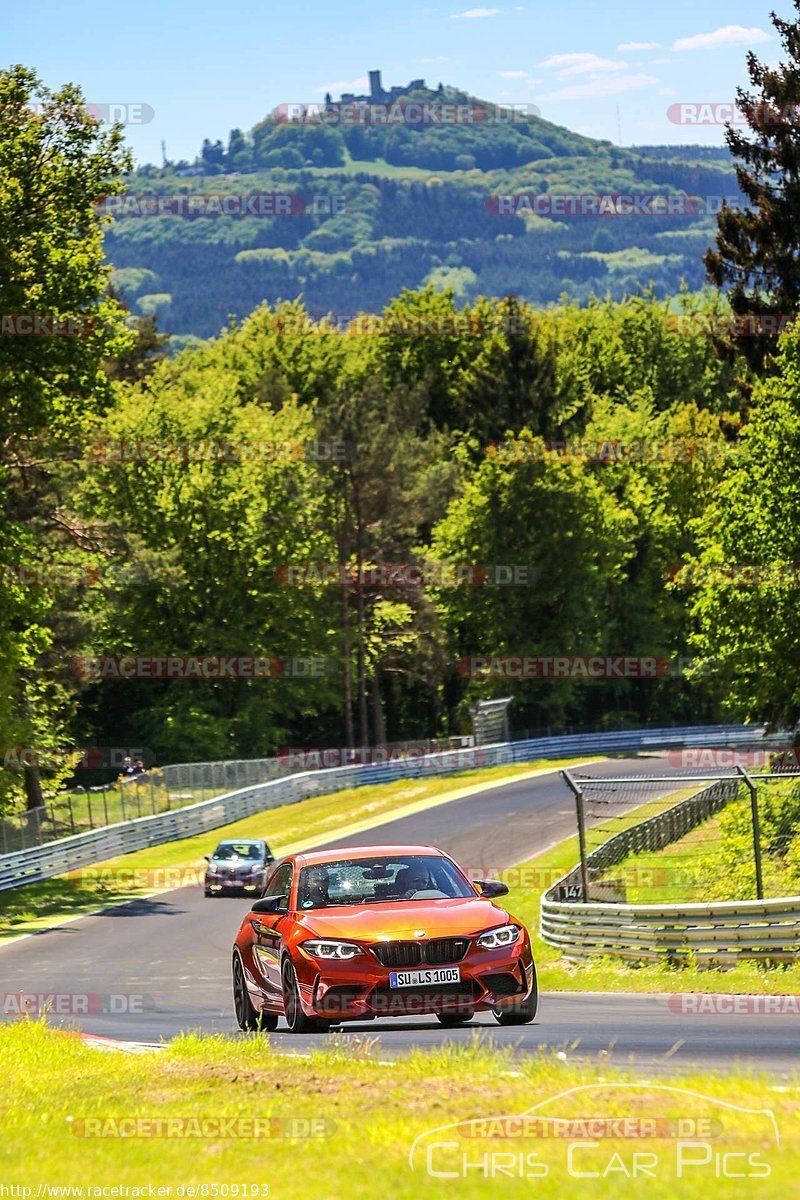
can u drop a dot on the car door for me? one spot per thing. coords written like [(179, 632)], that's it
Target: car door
[(267, 928)]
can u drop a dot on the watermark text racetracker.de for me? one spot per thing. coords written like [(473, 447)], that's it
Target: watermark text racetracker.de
[(199, 666), (564, 666), (124, 450), (219, 204), (73, 1004), (607, 204), (255, 1128), (407, 575), (434, 113)]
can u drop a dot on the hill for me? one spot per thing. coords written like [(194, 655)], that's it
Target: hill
[(347, 203)]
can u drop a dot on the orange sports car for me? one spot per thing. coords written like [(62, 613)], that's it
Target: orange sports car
[(379, 931)]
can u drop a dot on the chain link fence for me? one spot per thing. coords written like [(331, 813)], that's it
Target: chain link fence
[(180, 784), (686, 838)]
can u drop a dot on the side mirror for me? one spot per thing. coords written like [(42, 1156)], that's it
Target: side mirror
[(270, 904), (207, 857), (491, 888)]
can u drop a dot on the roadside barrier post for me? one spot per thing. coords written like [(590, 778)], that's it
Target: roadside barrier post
[(753, 790), (578, 794)]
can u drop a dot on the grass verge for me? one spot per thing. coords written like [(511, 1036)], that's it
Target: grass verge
[(90, 1117), (320, 818)]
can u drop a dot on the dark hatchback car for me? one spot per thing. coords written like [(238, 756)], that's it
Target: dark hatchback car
[(238, 866)]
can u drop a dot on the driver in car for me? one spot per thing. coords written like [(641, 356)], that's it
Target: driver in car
[(410, 880)]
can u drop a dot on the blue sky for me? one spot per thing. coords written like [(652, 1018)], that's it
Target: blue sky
[(205, 68)]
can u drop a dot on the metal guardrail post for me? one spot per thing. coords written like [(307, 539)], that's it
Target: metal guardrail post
[(753, 789), (579, 807)]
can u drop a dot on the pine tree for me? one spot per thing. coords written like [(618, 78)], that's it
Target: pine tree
[(758, 246)]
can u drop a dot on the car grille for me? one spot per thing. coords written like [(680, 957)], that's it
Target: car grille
[(413, 954)]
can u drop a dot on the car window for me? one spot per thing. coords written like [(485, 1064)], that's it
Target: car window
[(280, 882), (373, 881)]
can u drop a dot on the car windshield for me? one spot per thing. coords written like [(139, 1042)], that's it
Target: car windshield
[(239, 850), (381, 880)]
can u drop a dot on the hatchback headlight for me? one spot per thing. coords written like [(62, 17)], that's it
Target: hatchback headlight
[(330, 950), (493, 939)]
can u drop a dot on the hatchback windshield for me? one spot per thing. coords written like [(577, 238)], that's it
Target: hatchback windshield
[(239, 850), (379, 880)]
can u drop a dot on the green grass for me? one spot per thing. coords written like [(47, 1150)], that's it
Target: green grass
[(318, 818), (368, 1116)]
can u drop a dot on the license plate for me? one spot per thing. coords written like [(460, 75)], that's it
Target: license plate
[(404, 979)]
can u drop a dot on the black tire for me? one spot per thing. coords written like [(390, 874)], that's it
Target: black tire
[(247, 1017), (450, 1020), (208, 894), (521, 1012), (293, 1013)]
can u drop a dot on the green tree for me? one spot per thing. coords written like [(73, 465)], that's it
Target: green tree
[(747, 619), (56, 164)]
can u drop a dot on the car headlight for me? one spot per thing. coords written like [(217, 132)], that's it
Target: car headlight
[(213, 869), (339, 950), (504, 935)]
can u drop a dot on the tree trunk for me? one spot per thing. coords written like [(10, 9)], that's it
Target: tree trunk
[(362, 666), (347, 687), (378, 722), (33, 787)]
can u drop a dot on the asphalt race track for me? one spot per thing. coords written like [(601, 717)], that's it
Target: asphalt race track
[(165, 962)]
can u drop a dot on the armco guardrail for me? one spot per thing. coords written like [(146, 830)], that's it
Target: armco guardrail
[(722, 932), (66, 854)]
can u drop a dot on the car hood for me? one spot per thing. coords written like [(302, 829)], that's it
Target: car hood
[(398, 921)]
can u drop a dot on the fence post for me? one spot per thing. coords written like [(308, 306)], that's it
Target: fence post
[(578, 794), (753, 789), (89, 807), (71, 815)]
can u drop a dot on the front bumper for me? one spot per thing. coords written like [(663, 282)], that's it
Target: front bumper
[(343, 992), (227, 883)]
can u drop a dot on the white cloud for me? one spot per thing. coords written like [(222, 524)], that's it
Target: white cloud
[(580, 64), (473, 14), (513, 74), (601, 86), (345, 85), (728, 35), (632, 47)]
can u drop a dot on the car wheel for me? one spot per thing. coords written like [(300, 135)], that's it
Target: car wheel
[(207, 893), (296, 1019), (246, 1016), (521, 1012), (451, 1019)]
